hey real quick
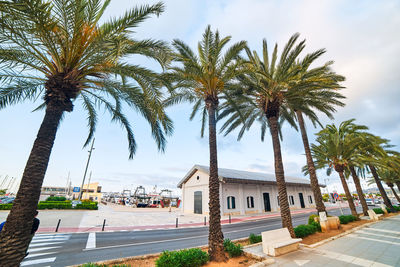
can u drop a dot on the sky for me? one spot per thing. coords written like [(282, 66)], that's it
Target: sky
[(360, 36)]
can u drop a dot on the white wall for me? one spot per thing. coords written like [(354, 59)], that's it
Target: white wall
[(192, 185), (240, 192)]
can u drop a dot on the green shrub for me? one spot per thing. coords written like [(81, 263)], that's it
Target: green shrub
[(317, 225), (54, 205), (378, 211), (87, 206), (6, 206), (232, 249), (56, 199), (311, 218), (304, 230), (345, 219), (255, 238), (193, 257), (397, 208)]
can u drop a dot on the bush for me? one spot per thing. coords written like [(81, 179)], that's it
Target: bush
[(232, 249), (6, 206), (345, 219), (317, 225), (397, 208), (56, 199), (87, 206), (378, 211), (304, 230), (193, 257), (54, 205), (255, 238), (311, 218)]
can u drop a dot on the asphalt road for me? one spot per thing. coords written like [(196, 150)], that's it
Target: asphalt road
[(79, 248)]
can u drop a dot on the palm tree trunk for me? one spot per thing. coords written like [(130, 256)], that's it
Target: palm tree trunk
[(280, 176), (215, 236), (359, 190), (394, 193), (398, 185), (348, 195), (381, 189), (16, 235), (311, 168)]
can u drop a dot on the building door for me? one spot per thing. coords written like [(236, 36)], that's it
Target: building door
[(302, 200), (267, 203), (198, 202)]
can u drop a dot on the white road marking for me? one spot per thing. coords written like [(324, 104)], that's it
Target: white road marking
[(91, 241), (382, 230), (373, 239), (32, 262), (45, 244), (32, 250), (301, 262), (375, 234), (39, 254), (48, 240)]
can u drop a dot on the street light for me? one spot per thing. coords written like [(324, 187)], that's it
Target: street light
[(87, 165)]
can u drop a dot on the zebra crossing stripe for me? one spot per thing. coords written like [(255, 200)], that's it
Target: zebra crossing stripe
[(38, 261), (91, 242), (32, 250), (46, 244), (48, 240), (39, 254)]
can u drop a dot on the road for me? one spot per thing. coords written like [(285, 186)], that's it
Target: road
[(79, 248)]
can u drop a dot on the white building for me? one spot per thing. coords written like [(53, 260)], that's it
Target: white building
[(242, 192)]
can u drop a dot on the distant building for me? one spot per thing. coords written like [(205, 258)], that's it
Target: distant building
[(242, 192), (92, 192)]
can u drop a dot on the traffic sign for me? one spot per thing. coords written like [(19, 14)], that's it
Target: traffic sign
[(336, 195), (76, 189)]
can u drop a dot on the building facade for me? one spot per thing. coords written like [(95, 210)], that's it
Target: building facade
[(242, 192), (91, 191)]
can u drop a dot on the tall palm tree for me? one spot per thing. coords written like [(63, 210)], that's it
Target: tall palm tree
[(57, 50), (203, 79), (359, 190), (336, 149), (375, 151), (268, 93), (323, 99)]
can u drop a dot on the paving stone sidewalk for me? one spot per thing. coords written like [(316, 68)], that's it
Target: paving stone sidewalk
[(374, 245)]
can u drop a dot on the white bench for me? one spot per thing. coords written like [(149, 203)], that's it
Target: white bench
[(373, 216), (278, 242)]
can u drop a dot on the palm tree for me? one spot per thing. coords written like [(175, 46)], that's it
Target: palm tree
[(374, 155), (202, 79), (324, 100), (58, 50), (268, 93), (337, 149), (360, 192)]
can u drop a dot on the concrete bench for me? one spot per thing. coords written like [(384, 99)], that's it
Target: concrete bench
[(373, 216), (278, 242)]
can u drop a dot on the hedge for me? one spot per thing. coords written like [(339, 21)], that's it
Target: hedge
[(54, 205), (6, 206), (311, 218), (193, 257), (87, 206), (345, 219), (56, 199), (304, 230), (378, 210)]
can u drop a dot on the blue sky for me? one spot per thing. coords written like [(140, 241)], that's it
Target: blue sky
[(360, 36)]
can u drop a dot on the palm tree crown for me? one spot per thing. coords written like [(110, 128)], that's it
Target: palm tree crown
[(59, 51)]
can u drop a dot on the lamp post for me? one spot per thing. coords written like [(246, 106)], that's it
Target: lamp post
[(327, 190), (87, 165)]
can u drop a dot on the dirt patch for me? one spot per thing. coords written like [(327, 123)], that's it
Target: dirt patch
[(242, 261), (314, 238)]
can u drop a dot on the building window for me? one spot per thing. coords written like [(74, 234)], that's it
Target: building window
[(291, 200), (250, 202), (198, 177), (310, 199), (278, 200), (231, 202)]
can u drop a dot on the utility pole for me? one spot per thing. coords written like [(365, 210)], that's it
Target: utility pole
[(327, 190), (87, 165), (87, 188)]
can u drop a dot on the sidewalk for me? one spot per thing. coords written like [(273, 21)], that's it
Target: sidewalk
[(374, 245)]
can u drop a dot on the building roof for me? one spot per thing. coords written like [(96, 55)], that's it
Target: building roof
[(230, 175)]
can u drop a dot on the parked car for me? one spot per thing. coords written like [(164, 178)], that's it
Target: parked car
[(75, 202), (7, 200), (370, 202)]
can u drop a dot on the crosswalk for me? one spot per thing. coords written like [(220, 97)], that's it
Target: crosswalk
[(43, 249)]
